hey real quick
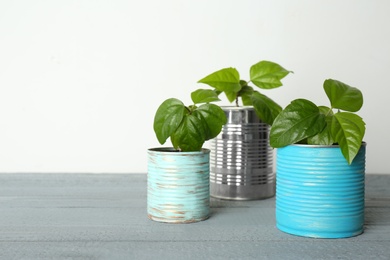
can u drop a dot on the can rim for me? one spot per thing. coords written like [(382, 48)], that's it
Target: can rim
[(171, 150), (320, 146), (237, 108)]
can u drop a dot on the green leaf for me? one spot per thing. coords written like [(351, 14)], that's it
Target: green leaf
[(231, 96), (168, 117), (246, 95), (190, 135), (299, 120), (227, 79), (266, 109), (348, 131), (325, 136), (212, 117), (327, 111), (267, 74), (204, 96), (342, 96)]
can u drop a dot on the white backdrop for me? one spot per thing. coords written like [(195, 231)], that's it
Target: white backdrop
[(80, 80)]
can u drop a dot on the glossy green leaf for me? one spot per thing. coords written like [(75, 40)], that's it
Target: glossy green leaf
[(325, 136), (204, 96), (168, 117), (212, 117), (299, 120), (267, 74), (227, 79), (231, 96), (190, 135), (348, 130), (266, 109), (327, 111), (342, 96)]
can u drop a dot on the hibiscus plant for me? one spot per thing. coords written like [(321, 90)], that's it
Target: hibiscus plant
[(304, 122), (188, 127), (264, 75)]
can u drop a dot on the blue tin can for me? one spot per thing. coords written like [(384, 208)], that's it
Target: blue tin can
[(318, 194), (178, 185)]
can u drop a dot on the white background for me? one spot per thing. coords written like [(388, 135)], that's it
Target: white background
[(80, 81)]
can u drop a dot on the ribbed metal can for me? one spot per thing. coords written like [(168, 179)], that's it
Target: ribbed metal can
[(318, 194), (178, 185), (241, 159)]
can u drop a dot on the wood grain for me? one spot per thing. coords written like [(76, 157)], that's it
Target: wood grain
[(87, 216)]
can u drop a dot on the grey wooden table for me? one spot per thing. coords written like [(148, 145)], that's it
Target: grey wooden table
[(86, 216)]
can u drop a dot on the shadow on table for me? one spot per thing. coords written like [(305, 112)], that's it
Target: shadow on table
[(377, 199)]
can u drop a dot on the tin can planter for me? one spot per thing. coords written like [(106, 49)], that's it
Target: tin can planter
[(318, 194), (241, 159), (178, 185)]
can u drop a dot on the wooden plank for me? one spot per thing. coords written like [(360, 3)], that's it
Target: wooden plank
[(86, 216)]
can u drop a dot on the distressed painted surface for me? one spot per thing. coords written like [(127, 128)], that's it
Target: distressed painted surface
[(318, 194), (241, 158), (178, 186)]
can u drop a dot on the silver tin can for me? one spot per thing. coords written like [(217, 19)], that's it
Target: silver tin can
[(241, 159)]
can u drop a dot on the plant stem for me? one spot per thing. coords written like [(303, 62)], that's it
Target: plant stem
[(237, 102), (189, 110)]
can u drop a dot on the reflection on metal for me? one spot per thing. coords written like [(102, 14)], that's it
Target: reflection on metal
[(241, 158)]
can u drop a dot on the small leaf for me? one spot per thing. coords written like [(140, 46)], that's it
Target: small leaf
[(266, 109), (227, 79), (342, 96), (168, 117), (267, 74), (246, 95), (348, 131), (212, 117), (190, 135), (327, 111), (204, 96), (231, 96), (325, 136), (299, 120)]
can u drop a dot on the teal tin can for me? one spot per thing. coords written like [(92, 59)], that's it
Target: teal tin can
[(178, 185), (318, 194)]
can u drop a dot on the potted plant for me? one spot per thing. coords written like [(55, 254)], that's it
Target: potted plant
[(321, 165), (241, 157), (178, 176)]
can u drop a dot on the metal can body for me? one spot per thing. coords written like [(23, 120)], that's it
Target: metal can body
[(241, 159), (178, 185), (318, 194)]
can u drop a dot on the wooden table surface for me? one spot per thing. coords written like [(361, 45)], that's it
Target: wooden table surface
[(103, 216)]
